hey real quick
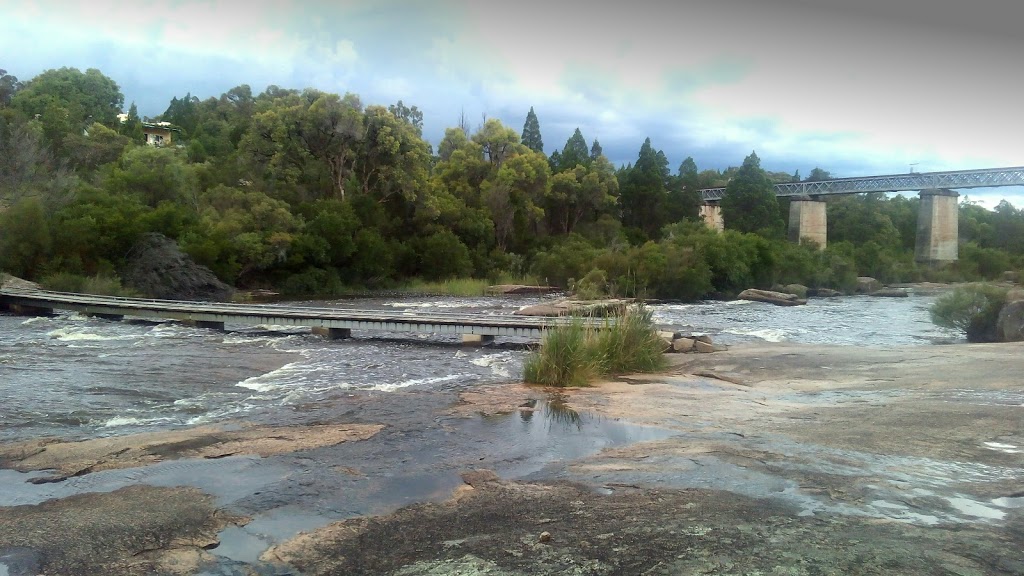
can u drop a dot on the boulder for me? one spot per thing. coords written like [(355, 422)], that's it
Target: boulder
[(667, 338), (867, 285), (776, 298), (703, 347), (683, 344), (156, 267), (798, 290), (1010, 325), (824, 292), (703, 338), (1014, 294), (890, 293), (1011, 276)]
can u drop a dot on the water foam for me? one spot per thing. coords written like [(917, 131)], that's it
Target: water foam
[(766, 334), (391, 387), (496, 362), (76, 335)]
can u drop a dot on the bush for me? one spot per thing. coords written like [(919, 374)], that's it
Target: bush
[(101, 285), (574, 354), (972, 309)]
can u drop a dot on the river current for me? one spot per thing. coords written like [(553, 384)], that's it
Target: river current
[(79, 377)]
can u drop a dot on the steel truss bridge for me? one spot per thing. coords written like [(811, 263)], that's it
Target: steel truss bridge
[(984, 178)]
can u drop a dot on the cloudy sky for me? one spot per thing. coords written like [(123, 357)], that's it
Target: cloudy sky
[(855, 87)]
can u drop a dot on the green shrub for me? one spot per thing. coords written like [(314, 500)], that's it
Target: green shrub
[(574, 354), (972, 309)]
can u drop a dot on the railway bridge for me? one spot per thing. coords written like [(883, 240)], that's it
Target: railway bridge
[(937, 220)]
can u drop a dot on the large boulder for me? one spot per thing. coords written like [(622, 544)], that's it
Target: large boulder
[(156, 267), (1010, 325), (867, 285), (777, 298)]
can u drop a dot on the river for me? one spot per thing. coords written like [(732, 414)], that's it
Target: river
[(79, 377)]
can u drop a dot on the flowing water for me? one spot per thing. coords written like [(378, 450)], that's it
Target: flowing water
[(77, 377)]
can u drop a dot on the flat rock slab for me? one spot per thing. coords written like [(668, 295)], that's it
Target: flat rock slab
[(513, 528), (776, 298), (134, 530), (520, 289), (576, 307), (78, 458)]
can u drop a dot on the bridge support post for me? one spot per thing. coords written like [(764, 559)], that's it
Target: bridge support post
[(937, 227), (712, 216), (332, 333), (808, 221), (107, 316), (476, 339)]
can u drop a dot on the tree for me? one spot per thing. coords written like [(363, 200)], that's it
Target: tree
[(816, 175), (9, 86), (497, 141), (574, 153), (86, 96), (684, 199), (28, 167), (393, 160), (531, 133), (643, 192), (411, 116), (749, 204), (596, 150)]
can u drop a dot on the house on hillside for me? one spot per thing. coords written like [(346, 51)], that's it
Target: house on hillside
[(159, 133)]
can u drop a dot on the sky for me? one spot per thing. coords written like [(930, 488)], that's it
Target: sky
[(855, 87)]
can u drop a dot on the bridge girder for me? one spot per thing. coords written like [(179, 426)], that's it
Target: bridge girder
[(983, 178)]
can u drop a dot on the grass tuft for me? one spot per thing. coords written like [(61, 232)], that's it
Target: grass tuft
[(575, 354)]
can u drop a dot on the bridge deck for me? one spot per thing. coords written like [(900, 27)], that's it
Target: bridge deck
[(283, 315), (983, 178)]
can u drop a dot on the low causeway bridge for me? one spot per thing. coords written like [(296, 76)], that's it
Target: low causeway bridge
[(331, 322), (937, 220)]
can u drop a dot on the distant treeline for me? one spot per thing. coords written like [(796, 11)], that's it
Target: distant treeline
[(314, 193)]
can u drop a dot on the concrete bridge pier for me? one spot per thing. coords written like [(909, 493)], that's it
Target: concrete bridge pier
[(332, 333), (808, 221), (937, 227), (107, 316), (476, 339), (711, 213)]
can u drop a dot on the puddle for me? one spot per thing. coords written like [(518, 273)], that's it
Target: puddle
[(227, 479), (551, 434), (970, 507)]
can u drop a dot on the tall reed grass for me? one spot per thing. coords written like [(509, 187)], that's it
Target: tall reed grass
[(576, 353)]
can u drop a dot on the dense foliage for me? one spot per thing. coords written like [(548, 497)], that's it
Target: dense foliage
[(316, 193)]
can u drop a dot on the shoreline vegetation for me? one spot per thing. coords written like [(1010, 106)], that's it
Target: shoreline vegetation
[(247, 188)]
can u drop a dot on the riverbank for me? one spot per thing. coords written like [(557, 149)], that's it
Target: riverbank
[(777, 458)]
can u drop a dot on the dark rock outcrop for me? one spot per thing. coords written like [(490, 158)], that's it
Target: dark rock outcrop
[(159, 269), (777, 298), (823, 293)]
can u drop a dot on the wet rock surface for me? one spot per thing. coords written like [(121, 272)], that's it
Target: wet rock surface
[(135, 530), (771, 459), (776, 298)]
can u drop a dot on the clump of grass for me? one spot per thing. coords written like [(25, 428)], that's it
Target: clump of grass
[(99, 284), (574, 354), (465, 287), (972, 309)]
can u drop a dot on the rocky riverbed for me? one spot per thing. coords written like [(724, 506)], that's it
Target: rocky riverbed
[(778, 459)]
